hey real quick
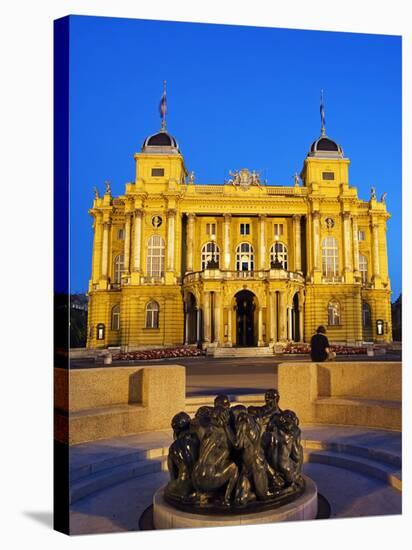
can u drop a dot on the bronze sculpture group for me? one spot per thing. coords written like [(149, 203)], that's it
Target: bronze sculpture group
[(235, 458)]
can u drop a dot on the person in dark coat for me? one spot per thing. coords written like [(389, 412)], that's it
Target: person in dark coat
[(320, 348)]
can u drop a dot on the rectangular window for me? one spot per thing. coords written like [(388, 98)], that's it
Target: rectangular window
[(158, 172), (245, 228), (120, 234), (328, 175), (361, 235), (210, 229), (278, 227)]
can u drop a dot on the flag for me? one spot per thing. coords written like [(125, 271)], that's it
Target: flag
[(163, 106), (322, 112)]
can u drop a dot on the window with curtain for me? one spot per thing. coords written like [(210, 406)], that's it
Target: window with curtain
[(116, 317), (245, 257), (363, 268), (118, 268), (152, 315), (330, 257), (155, 256)]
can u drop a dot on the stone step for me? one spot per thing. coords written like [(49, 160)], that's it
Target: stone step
[(374, 463), (264, 351)]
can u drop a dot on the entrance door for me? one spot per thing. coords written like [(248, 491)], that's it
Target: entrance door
[(245, 307)]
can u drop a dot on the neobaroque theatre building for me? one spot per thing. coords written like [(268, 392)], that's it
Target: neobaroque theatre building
[(238, 264)]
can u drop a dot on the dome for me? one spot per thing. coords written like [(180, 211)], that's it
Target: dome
[(325, 147), (162, 142)]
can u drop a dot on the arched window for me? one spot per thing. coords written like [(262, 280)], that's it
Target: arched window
[(330, 257), (280, 250), (155, 256), (116, 317), (100, 330), (363, 268), (333, 313), (118, 268), (210, 251), (152, 315), (366, 315), (244, 257)]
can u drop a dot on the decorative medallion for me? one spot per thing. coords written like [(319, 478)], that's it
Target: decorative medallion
[(157, 221), (329, 223)]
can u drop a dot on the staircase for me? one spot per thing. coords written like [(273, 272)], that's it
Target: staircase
[(264, 351)]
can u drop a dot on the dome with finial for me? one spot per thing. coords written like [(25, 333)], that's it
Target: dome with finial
[(324, 146), (161, 142)]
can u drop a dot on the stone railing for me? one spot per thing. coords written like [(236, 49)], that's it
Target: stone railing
[(262, 274), (148, 280), (334, 279)]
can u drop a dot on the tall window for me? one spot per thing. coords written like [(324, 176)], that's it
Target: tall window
[(363, 268), (155, 256), (361, 235), (152, 315), (245, 257), (333, 313), (245, 228), (116, 317), (280, 250), (330, 257), (118, 268), (366, 315), (210, 251)]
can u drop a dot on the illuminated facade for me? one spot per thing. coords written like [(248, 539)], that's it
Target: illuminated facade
[(238, 264)]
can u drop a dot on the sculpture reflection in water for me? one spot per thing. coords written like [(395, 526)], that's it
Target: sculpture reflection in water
[(235, 459)]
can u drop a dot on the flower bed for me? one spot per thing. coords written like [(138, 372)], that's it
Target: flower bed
[(338, 349), (164, 353)]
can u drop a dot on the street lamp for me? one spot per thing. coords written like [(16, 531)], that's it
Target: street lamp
[(213, 263), (276, 264)]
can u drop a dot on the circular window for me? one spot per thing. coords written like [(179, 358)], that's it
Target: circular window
[(157, 221)]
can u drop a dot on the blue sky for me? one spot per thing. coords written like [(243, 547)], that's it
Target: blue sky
[(237, 97)]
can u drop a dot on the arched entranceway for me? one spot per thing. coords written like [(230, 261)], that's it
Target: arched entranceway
[(192, 313), (245, 323)]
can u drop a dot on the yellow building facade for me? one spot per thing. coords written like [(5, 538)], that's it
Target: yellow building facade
[(243, 263)]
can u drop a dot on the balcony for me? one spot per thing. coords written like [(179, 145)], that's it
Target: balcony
[(152, 280), (255, 275), (333, 279)]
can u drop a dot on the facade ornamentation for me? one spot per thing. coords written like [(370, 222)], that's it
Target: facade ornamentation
[(235, 459), (269, 248)]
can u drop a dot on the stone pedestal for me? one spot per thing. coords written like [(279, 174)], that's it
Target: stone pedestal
[(166, 516)]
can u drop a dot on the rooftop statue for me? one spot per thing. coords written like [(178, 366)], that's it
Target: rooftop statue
[(233, 459)]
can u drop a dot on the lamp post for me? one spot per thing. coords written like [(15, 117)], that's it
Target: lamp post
[(276, 264), (213, 263)]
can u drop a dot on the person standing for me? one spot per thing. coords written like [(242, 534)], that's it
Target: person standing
[(319, 346)]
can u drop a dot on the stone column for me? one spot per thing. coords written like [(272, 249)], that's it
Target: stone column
[(206, 317), (346, 243), (316, 240), (186, 324), (301, 324), (105, 249), (282, 316), (226, 242), (197, 325), (216, 318), (272, 316), (262, 242), (290, 323), (137, 245), (189, 242), (355, 246), (229, 326), (375, 247), (127, 243), (97, 248), (171, 217), (298, 245), (260, 327)]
